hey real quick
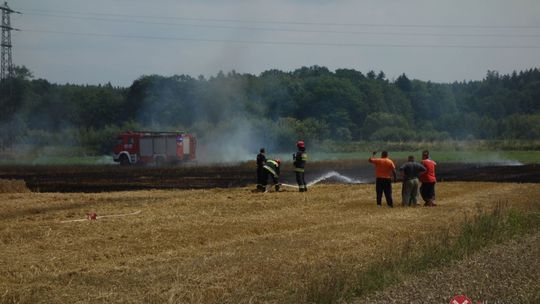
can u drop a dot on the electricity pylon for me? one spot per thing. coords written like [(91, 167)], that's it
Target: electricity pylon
[(7, 60)]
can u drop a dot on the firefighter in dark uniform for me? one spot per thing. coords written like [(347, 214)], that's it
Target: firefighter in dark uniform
[(261, 160), (271, 168), (300, 158)]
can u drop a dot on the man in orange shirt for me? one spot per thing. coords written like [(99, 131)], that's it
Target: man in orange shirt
[(385, 170), (428, 179)]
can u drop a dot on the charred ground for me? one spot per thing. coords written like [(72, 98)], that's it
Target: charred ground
[(117, 178)]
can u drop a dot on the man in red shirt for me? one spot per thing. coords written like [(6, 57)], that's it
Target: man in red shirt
[(385, 170), (428, 179)]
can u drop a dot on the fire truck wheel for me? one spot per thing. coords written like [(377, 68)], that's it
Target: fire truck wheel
[(124, 161)]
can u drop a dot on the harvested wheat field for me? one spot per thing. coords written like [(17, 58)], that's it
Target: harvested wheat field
[(502, 273), (218, 245)]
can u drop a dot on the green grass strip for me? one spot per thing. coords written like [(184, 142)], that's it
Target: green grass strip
[(484, 229)]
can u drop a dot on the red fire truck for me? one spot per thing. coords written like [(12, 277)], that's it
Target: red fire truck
[(143, 147)]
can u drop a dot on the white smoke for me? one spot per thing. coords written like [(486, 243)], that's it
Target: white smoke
[(232, 141)]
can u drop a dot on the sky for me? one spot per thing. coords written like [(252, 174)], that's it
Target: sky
[(118, 41)]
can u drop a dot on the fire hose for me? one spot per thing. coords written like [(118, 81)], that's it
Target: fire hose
[(92, 216)]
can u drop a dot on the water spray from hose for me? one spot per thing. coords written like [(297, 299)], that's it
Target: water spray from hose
[(339, 177), (332, 174)]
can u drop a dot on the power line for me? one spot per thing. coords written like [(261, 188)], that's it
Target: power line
[(477, 26), (292, 30), (262, 42)]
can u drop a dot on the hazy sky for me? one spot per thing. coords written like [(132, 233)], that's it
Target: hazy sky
[(117, 41)]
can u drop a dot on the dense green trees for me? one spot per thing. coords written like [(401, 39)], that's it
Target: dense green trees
[(312, 103)]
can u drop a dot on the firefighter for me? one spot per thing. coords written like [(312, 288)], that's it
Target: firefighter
[(271, 168), (261, 160), (300, 158)]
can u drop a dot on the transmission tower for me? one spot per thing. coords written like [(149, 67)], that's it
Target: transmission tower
[(7, 61)]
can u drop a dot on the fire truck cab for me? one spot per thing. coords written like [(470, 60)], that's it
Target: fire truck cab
[(144, 147)]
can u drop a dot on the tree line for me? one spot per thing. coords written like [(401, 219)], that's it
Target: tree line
[(312, 103)]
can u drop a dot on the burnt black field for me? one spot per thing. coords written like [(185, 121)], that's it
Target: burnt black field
[(117, 178)]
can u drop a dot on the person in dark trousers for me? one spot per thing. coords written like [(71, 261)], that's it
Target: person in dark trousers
[(271, 169), (410, 172), (300, 158), (384, 171), (428, 180), (261, 160)]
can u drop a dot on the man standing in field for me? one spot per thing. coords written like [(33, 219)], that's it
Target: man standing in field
[(428, 179), (410, 172), (261, 160), (384, 171), (300, 158)]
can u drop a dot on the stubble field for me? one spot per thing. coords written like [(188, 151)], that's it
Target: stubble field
[(219, 245)]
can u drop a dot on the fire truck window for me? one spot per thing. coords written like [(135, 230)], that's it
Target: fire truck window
[(130, 140), (119, 141)]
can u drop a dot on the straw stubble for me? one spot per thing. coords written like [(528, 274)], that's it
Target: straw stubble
[(216, 246)]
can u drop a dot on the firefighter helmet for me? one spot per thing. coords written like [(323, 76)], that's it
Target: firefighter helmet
[(300, 144)]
